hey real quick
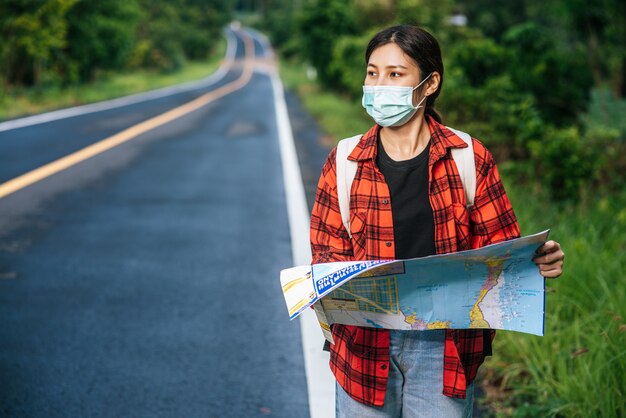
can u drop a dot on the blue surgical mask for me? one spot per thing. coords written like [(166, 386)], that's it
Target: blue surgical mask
[(391, 105)]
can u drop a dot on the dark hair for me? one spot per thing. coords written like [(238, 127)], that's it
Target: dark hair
[(419, 45)]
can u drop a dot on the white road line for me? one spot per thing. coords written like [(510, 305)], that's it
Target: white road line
[(320, 381), (131, 99)]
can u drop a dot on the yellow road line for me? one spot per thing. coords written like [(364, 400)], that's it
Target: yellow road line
[(70, 160)]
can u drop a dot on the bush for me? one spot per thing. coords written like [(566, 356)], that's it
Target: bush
[(159, 30), (323, 22), (348, 63), (480, 59), (101, 36), (605, 112), (565, 162), (610, 150), (505, 119), (559, 80)]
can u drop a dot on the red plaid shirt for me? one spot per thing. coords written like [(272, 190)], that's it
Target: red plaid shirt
[(359, 358)]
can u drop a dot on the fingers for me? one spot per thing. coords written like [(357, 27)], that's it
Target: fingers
[(549, 247), (552, 269), (550, 260), (549, 253), (551, 273)]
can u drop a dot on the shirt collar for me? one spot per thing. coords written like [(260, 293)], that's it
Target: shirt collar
[(441, 139)]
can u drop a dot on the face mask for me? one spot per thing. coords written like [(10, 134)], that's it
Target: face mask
[(391, 105)]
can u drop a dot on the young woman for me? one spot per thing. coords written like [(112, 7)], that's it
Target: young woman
[(407, 200)]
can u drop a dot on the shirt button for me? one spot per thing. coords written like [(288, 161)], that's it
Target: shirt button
[(388, 243), (383, 367), (385, 201)]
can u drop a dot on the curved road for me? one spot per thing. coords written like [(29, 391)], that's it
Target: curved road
[(143, 281)]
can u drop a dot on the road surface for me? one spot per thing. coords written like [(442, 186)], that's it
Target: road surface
[(141, 278)]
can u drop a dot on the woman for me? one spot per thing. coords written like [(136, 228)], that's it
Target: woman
[(407, 200)]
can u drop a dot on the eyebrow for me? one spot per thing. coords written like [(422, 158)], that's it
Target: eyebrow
[(389, 66)]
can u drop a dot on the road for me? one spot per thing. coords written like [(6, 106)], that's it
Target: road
[(142, 280)]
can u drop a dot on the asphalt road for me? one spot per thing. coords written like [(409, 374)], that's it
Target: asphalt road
[(143, 282)]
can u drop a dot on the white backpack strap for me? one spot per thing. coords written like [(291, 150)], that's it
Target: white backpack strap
[(466, 165), (346, 170)]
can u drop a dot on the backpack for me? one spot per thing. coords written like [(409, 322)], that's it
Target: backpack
[(346, 170)]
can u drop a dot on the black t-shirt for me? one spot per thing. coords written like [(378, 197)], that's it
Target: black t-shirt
[(413, 222)]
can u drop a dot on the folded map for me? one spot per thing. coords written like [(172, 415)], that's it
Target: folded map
[(497, 286)]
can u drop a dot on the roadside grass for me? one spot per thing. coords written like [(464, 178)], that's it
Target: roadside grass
[(339, 118), (578, 368), (27, 101)]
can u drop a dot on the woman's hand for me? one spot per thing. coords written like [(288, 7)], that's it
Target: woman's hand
[(549, 259)]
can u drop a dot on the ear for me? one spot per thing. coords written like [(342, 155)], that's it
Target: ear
[(432, 84)]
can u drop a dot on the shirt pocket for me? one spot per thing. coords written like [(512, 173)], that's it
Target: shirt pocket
[(462, 226), (358, 231)]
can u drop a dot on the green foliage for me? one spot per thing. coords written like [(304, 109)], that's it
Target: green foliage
[(348, 63), (600, 25), (605, 130), (430, 14), (564, 161), (201, 25), (491, 17), (480, 59), (31, 100), (159, 30), (280, 23), (374, 13), (504, 118), (323, 22), (33, 33), (577, 368), (337, 118), (559, 81), (61, 42), (605, 112), (102, 36), (518, 77)]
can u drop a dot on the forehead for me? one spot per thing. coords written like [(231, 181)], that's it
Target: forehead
[(390, 55)]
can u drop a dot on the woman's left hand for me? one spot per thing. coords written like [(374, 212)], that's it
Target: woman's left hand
[(549, 259)]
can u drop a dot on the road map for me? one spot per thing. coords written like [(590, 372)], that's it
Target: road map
[(497, 286)]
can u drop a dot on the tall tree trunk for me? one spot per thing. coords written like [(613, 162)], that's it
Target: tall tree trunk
[(36, 71), (592, 53), (7, 74)]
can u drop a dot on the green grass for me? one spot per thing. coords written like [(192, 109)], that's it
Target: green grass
[(578, 369), (24, 101)]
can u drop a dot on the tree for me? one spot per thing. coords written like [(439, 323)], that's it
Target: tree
[(101, 36), (601, 24), (322, 23), (33, 33)]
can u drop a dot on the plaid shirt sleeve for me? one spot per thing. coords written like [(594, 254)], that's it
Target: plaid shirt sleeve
[(493, 219), (329, 238)]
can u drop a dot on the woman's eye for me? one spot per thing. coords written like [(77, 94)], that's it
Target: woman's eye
[(371, 74), (394, 75)]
